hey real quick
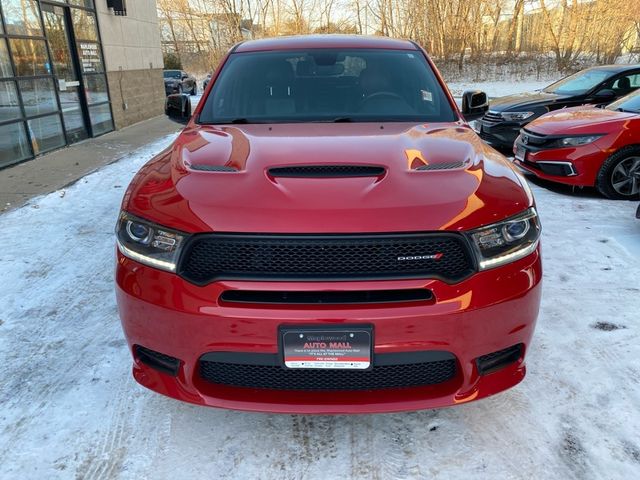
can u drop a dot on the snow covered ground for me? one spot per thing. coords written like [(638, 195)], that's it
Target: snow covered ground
[(497, 89), (70, 408)]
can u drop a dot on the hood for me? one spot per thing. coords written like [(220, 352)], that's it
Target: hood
[(579, 120), (522, 100), (219, 178)]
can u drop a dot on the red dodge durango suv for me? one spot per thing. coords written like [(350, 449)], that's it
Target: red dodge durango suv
[(328, 235)]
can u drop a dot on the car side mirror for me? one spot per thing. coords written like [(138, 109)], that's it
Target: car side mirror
[(475, 104), (177, 107), (184, 77), (604, 95)]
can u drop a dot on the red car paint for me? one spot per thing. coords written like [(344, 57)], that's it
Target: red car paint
[(486, 312), (618, 130)]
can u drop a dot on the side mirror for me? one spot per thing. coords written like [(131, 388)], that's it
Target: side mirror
[(185, 76), (178, 107), (475, 104), (604, 95)]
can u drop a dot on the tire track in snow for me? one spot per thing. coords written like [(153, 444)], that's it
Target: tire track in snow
[(108, 454)]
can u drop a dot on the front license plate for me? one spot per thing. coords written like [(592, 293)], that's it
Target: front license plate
[(339, 348), (521, 153)]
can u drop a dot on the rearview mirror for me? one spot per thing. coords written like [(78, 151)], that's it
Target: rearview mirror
[(178, 107), (604, 95), (475, 104)]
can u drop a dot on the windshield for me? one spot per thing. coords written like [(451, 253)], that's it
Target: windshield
[(327, 85), (579, 83), (171, 74), (629, 103)]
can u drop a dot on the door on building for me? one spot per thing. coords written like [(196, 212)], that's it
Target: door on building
[(66, 72)]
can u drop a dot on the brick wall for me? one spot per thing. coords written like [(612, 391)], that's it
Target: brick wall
[(141, 90)]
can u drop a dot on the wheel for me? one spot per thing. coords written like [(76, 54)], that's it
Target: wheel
[(194, 90), (619, 175)]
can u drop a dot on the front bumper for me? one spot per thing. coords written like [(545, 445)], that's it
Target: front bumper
[(487, 312), (170, 89), (499, 135), (577, 166)]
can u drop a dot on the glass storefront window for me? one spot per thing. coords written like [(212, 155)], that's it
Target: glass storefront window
[(56, 31), (74, 124), (84, 25), (22, 17), (96, 89), (9, 106), (82, 3), (38, 96), (14, 145), (101, 118), (46, 133), (5, 63), (30, 57)]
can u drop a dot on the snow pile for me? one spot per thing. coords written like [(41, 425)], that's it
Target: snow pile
[(70, 408)]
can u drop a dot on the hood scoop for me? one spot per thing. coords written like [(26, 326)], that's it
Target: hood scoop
[(212, 168), (442, 166), (327, 171)]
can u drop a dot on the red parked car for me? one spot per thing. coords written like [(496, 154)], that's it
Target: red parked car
[(328, 235), (587, 147)]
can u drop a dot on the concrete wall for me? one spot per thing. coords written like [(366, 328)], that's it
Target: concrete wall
[(133, 60)]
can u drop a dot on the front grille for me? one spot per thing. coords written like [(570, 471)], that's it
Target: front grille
[(492, 117), (275, 377), (326, 171), (210, 257), (534, 140)]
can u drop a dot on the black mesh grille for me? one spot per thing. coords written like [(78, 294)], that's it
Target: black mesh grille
[(299, 257), (441, 166), (213, 168), (492, 117), (327, 171), (278, 378)]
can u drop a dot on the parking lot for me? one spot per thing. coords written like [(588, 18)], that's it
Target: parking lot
[(70, 408)]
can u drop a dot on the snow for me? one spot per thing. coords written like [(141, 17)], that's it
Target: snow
[(70, 408), (498, 88)]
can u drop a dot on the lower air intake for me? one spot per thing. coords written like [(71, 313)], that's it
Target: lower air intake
[(327, 171), (158, 361), (276, 377), (499, 359)]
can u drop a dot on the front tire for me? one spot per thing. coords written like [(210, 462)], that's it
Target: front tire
[(619, 175), (194, 90)]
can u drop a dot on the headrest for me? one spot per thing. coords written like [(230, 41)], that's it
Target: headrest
[(280, 73)]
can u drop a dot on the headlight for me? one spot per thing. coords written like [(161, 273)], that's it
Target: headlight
[(148, 243), (576, 141), (506, 241), (516, 116)]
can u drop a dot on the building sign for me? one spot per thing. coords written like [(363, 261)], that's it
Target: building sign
[(90, 57)]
